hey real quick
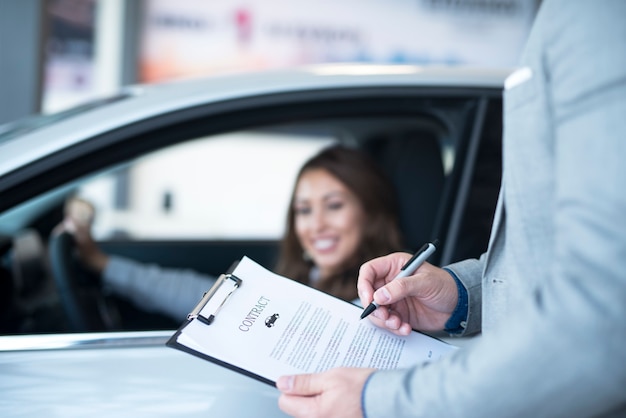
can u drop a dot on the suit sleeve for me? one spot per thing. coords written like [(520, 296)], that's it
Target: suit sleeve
[(561, 353), (469, 272)]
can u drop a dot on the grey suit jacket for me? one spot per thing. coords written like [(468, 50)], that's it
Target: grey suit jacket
[(550, 293)]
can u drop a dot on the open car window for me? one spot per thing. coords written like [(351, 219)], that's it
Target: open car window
[(199, 196), (223, 187)]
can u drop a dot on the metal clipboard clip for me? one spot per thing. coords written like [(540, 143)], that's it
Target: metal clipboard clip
[(213, 300)]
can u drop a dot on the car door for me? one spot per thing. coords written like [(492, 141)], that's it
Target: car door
[(167, 192)]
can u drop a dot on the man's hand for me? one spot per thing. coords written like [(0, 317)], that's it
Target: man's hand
[(334, 393), (423, 301)]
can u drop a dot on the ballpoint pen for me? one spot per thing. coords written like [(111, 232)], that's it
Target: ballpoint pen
[(409, 268)]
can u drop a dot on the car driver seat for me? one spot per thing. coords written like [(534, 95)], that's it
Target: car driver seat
[(413, 161)]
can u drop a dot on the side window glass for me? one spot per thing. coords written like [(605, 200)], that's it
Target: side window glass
[(233, 186)]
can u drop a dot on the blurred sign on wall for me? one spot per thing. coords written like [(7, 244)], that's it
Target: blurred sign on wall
[(187, 38), (69, 53)]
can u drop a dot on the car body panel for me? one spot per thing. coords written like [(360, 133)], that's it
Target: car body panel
[(122, 375)]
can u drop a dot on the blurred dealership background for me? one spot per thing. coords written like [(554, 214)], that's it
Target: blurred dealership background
[(56, 54)]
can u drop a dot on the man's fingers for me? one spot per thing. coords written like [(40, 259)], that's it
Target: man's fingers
[(334, 393), (391, 292), (380, 269), (299, 392), (302, 384), (296, 406), (401, 288), (365, 282)]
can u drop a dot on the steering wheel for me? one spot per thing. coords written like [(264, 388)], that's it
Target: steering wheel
[(84, 303)]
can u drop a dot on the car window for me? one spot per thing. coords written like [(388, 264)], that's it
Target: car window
[(475, 226), (199, 201), (232, 186)]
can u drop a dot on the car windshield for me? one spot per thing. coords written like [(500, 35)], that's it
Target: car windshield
[(28, 124)]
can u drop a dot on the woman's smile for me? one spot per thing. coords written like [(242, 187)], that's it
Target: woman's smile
[(328, 220)]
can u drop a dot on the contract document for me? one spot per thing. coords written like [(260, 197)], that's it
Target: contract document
[(265, 325)]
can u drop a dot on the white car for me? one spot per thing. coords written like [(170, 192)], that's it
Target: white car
[(195, 174)]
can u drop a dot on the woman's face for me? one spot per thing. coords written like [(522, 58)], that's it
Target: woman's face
[(328, 220)]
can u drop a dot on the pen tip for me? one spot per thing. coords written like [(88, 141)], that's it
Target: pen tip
[(436, 242), (370, 308)]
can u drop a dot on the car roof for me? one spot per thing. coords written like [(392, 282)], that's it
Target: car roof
[(141, 102)]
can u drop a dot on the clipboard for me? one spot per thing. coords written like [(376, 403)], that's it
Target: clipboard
[(264, 325), (227, 284), (218, 295)]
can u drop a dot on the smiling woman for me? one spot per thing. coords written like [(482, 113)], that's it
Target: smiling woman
[(343, 213)]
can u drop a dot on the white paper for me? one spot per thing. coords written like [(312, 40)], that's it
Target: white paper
[(272, 326)]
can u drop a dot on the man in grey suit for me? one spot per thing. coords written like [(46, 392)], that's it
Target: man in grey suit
[(550, 293)]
